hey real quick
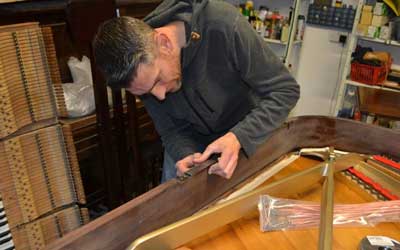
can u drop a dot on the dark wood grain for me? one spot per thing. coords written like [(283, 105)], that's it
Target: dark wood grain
[(380, 102), (175, 200), (83, 28), (133, 152)]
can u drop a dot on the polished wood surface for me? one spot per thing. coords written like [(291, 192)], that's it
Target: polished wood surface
[(380, 102), (245, 233), (176, 199)]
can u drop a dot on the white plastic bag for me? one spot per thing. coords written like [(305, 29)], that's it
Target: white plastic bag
[(79, 96), (80, 70), (79, 99)]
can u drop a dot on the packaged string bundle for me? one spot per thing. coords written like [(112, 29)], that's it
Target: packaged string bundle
[(283, 214)]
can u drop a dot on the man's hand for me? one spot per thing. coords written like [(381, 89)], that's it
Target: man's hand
[(229, 146), (186, 163)]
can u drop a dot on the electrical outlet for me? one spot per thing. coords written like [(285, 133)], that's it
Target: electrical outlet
[(343, 39)]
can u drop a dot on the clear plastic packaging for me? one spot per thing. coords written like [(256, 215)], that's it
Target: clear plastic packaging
[(283, 214), (79, 96), (79, 99), (81, 71)]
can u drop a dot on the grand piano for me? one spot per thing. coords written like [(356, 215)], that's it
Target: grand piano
[(188, 211)]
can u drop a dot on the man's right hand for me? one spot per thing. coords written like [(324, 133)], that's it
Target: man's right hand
[(186, 163)]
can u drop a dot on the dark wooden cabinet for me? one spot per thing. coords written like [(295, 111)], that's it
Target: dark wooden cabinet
[(118, 149)]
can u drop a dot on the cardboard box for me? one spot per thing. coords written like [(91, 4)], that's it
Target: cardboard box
[(380, 9), (367, 8), (373, 31), (362, 29), (379, 20), (366, 18)]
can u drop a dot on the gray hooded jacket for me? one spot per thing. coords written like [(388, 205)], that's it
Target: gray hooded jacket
[(231, 81)]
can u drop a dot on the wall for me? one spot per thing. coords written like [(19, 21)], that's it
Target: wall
[(316, 63), (319, 71)]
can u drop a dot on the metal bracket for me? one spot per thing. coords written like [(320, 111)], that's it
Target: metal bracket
[(197, 168)]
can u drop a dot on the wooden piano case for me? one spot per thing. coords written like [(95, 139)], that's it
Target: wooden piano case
[(178, 199)]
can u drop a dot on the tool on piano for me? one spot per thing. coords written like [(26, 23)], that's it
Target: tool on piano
[(379, 243)]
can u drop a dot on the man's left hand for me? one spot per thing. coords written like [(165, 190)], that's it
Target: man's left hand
[(229, 146)]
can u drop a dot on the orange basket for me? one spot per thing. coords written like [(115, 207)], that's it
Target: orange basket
[(373, 75)]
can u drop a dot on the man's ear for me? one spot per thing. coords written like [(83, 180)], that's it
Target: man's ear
[(164, 44)]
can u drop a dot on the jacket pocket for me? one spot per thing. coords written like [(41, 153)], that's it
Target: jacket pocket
[(204, 102)]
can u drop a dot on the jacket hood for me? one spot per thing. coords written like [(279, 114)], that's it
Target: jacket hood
[(187, 11), (177, 10)]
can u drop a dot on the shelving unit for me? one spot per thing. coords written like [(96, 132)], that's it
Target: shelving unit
[(376, 105), (287, 50), (381, 87), (377, 40), (292, 32), (275, 41), (352, 43)]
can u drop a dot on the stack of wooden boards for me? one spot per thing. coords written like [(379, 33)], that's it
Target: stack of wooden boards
[(40, 182)]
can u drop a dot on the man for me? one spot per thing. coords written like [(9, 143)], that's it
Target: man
[(207, 79)]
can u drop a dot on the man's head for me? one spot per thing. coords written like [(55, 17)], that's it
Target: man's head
[(134, 56)]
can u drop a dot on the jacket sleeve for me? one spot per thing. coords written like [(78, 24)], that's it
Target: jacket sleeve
[(176, 135), (269, 79)]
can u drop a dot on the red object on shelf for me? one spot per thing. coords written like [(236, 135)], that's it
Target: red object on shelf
[(373, 75), (357, 115)]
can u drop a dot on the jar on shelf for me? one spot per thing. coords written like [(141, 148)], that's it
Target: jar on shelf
[(370, 118), (300, 27), (350, 102)]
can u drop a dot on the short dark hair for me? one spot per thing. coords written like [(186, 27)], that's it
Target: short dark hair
[(120, 46)]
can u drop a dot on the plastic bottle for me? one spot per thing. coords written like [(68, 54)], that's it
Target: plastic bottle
[(349, 102), (285, 32), (338, 3), (246, 13), (300, 27)]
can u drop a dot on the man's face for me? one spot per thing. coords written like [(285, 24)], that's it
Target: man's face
[(158, 78)]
